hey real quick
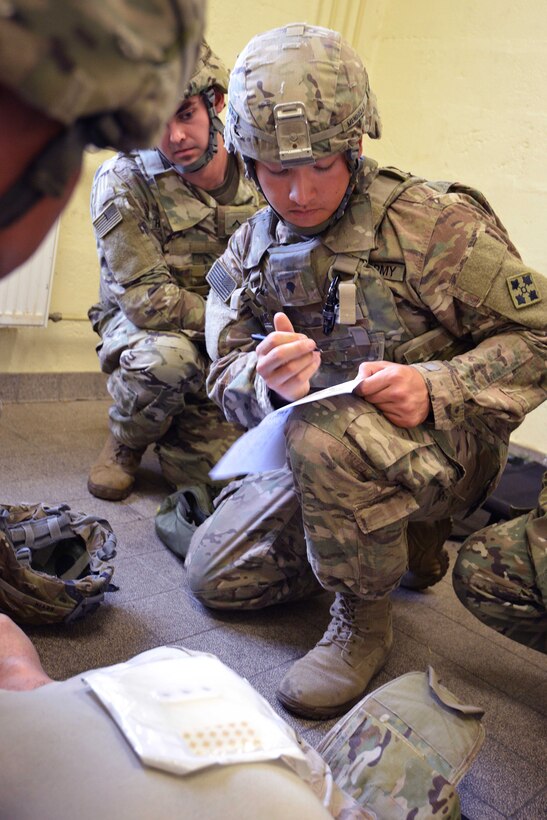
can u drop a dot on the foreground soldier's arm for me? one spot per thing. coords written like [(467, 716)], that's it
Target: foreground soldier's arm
[(133, 267)]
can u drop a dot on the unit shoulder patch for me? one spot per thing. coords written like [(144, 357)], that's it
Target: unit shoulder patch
[(107, 219), (221, 280), (523, 290)]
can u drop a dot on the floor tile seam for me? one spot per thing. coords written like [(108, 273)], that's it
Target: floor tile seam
[(141, 560), (472, 793), (475, 632), (310, 623), (274, 667), (528, 802), (514, 753), (257, 675), (199, 631), (468, 672), (471, 631), (537, 664)]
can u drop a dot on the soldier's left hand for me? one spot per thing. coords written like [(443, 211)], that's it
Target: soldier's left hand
[(398, 390)]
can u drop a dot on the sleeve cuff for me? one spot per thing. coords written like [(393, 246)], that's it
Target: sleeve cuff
[(445, 393)]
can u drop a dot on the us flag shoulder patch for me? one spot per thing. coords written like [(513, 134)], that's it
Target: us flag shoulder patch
[(107, 220), (221, 280), (523, 290)]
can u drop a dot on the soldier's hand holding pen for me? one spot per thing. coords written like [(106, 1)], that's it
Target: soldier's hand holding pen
[(287, 360)]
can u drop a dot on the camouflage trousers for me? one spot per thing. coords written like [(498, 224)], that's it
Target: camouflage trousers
[(338, 515), (501, 576), (157, 384)]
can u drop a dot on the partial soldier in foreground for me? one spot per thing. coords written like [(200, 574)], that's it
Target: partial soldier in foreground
[(73, 74), (161, 218), (371, 764), (501, 576), (353, 270)]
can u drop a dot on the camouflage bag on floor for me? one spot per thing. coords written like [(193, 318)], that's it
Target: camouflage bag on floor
[(402, 749), (54, 563)]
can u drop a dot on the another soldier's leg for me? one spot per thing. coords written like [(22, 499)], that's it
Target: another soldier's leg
[(20, 666), (360, 479), (155, 372), (251, 552), (501, 576), (194, 443)]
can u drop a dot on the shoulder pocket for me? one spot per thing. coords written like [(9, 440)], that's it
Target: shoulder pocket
[(494, 278)]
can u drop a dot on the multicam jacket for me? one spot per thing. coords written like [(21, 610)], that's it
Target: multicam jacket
[(157, 236), (437, 284)]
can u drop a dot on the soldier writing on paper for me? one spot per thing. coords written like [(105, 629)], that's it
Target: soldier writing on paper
[(413, 285)]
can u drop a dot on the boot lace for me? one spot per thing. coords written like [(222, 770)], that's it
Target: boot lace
[(341, 628)]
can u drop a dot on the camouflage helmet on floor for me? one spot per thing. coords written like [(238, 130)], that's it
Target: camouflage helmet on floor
[(54, 563), (298, 93), (109, 70)]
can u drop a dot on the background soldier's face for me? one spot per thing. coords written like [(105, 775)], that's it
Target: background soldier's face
[(186, 135), (306, 195)]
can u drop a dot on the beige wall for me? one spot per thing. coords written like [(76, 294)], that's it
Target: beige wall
[(462, 90)]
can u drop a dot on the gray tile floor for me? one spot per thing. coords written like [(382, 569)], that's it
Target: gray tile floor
[(45, 451)]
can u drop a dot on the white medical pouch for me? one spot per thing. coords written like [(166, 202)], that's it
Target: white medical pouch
[(182, 710)]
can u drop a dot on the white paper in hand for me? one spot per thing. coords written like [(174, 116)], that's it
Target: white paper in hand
[(263, 448)]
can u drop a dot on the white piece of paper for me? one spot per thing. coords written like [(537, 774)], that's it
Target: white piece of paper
[(262, 448)]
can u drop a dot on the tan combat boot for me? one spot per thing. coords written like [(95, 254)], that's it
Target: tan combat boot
[(113, 474), (334, 674), (427, 560)]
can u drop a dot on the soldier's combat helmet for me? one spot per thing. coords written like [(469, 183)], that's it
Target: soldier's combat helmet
[(298, 93), (110, 70), (55, 563), (210, 74)]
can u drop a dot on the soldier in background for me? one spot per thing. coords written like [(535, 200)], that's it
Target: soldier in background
[(73, 74), (354, 270), (161, 218)]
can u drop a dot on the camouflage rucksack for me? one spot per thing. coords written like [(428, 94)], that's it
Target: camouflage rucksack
[(53, 562)]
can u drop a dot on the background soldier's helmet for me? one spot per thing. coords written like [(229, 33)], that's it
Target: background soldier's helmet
[(298, 93), (210, 74)]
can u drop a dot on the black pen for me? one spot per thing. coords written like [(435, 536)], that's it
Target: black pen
[(259, 337)]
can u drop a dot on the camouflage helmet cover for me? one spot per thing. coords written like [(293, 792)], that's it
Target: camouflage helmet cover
[(116, 63), (209, 72), (297, 93)]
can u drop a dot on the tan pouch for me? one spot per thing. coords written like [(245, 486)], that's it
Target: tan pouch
[(402, 749)]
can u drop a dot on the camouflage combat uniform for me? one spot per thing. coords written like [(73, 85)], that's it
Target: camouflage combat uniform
[(157, 236), (501, 576), (440, 287), (400, 270)]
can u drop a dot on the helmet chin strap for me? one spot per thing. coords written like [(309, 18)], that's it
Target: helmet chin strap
[(354, 162), (215, 126)]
